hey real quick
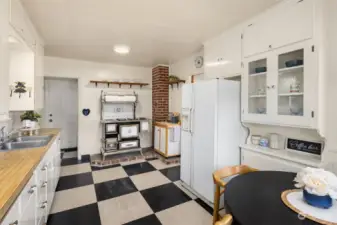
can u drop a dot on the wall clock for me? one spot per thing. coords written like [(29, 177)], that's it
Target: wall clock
[(199, 61)]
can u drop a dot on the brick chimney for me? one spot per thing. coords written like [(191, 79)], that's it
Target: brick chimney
[(160, 93)]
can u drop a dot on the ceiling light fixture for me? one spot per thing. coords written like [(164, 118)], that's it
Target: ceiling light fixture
[(122, 49)]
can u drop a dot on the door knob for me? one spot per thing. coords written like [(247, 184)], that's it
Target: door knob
[(50, 120), (50, 114)]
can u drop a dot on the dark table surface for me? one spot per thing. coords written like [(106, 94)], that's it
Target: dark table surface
[(255, 199)]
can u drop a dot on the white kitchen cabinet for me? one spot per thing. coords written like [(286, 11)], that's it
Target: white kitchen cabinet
[(264, 162), (32, 206), (282, 95), (164, 141), (290, 22), (222, 55)]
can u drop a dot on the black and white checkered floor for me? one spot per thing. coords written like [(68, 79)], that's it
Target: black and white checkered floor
[(134, 193)]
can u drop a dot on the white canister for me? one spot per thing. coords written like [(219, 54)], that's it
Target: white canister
[(274, 141), (255, 139)]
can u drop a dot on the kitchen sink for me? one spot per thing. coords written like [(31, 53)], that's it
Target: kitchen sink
[(23, 145), (32, 138), (25, 142)]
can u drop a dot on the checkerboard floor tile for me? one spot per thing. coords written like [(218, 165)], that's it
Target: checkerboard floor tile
[(143, 192)]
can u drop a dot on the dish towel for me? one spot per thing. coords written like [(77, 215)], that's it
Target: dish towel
[(175, 134)]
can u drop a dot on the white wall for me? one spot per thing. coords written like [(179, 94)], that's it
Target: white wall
[(329, 82), (4, 51), (182, 69), (89, 129)]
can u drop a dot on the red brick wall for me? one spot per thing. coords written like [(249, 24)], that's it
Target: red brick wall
[(160, 93)]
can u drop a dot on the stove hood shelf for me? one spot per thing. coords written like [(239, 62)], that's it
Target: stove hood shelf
[(108, 83)]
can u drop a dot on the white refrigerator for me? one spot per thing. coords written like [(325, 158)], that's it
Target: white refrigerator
[(211, 132)]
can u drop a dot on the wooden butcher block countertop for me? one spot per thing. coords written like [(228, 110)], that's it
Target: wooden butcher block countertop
[(167, 124), (17, 167)]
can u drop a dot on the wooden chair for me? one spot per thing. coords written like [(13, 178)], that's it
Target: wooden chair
[(226, 220), (219, 183)]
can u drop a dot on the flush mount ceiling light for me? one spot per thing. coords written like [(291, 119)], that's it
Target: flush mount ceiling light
[(122, 49)]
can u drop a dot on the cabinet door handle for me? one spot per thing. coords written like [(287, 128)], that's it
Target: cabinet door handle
[(273, 86), (268, 87), (44, 168), (32, 189), (16, 222), (44, 205), (44, 184)]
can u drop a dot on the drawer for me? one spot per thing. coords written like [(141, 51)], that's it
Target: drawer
[(111, 143), (28, 192), (110, 128), (13, 214), (128, 144)]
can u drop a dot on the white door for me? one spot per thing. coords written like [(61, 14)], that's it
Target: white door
[(28, 216), (256, 82), (61, 109), (162, 144), (156, 138), (257, 37), (186, 136), (292, 23), (295, 99), (203, 131)]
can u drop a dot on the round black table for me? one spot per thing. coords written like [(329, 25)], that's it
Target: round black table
[(255, 199)]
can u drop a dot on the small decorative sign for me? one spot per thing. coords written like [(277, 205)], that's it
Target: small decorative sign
[(305, 146)]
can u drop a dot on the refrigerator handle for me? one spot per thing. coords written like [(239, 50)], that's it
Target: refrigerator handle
[(191, 120)]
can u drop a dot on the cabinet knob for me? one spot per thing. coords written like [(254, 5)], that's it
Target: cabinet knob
[(32, 189), (16, 222), (273, 86), (270, 46)]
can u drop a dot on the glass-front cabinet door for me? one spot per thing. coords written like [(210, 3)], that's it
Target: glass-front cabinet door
[(295, 90), (256, 75)]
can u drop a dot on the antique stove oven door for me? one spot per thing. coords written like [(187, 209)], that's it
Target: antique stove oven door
[(129, 131)]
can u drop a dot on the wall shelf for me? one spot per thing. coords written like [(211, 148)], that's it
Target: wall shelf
[(96, 82), (177, 82)]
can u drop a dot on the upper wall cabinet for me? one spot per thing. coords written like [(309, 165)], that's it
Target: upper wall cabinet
[(288, 23), (223, 55), (279, 87)]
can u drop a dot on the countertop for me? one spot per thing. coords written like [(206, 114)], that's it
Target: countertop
[(302, 158), (17, 167), (167, 124)]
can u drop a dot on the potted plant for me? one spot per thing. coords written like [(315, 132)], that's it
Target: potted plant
[(30, 119), (319, 187)]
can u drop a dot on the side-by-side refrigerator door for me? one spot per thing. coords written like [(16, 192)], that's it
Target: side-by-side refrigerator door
[(186, 137)]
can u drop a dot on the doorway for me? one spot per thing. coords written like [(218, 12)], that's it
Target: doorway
[(61, 104)]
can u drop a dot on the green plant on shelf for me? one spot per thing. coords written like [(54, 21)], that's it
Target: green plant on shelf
[(30, 115)]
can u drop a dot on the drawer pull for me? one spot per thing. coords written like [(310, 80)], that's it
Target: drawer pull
[(14, 223), (32, 189), (44, 184), (44, 168), (44, 205)]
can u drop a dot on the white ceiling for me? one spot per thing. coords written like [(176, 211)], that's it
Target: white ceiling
[(158, 31)]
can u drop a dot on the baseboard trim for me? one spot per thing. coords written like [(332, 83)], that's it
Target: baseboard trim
[(69, 149)]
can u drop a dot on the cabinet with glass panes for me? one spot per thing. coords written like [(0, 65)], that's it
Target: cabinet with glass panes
[(281, 86)]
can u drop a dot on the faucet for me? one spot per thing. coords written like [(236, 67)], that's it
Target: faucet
[(2, 138)]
